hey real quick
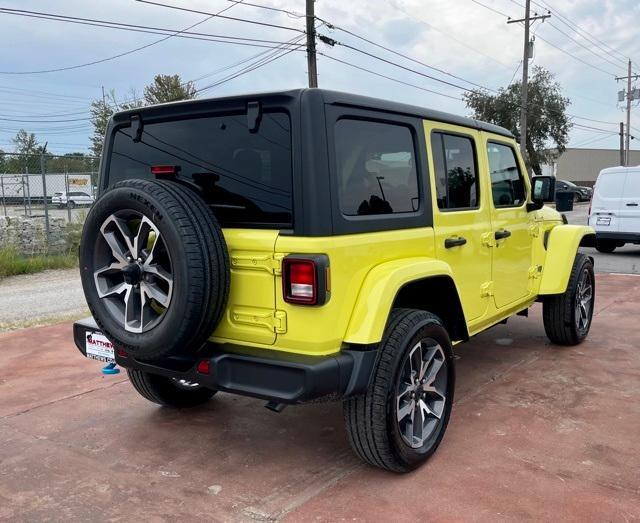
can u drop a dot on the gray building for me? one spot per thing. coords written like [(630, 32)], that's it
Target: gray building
[(581, 166)]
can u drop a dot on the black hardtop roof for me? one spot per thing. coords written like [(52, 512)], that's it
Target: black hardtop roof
[(337, 98)]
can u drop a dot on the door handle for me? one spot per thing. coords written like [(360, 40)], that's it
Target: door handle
[(502, 234), (454, 242), (632, 205)]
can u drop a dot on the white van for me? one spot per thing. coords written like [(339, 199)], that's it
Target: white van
[(615, 208)]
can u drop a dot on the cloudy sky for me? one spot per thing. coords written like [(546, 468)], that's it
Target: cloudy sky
[(469, 39)]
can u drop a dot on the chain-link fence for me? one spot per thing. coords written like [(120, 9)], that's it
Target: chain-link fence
[(43, 197)]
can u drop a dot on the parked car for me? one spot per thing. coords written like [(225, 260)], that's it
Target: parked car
[(615, 208), (72, 199), (311, 245), (580, 194)]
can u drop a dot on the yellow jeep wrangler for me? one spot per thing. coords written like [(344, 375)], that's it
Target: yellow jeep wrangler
[(312, 245)]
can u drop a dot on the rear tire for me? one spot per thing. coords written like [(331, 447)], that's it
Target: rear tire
[(567, 317), (606, 246), (167, 392), (401, 419)]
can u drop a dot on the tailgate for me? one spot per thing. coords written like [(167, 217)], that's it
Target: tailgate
[(251, 314)]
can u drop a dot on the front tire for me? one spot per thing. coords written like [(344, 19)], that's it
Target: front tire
[(567, 317), (401, 419), (168, 392)]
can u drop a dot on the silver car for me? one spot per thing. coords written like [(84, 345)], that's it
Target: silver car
[(72, 199)]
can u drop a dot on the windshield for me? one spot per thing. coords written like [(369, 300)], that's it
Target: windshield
[(244, 176)]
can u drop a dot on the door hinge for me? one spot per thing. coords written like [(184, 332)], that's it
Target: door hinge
[(489, 239), (534, 230), (255, 261), (535, 271), (486, 289), (275, 321)]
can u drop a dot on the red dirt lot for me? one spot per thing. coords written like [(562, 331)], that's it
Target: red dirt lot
[(537, 432)]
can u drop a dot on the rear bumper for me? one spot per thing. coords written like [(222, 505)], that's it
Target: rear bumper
[(270, 375), (626, 237)]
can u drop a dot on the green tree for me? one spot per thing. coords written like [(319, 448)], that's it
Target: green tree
[(26, 143), (168, 88), (102, 110), (164, 88), (548, 125)]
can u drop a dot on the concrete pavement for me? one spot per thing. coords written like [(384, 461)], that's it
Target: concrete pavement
[(537, 432), (45, 297)]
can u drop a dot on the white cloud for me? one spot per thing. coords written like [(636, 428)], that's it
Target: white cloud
[(458, 36)]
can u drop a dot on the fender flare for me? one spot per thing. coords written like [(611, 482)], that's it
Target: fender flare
[(562, 246), (379, 290)]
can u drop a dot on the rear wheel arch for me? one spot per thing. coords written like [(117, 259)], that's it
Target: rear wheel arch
[(437, 295)]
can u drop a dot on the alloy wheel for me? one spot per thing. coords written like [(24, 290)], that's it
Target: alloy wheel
[(134, 276), (584, 301), (421, 392)]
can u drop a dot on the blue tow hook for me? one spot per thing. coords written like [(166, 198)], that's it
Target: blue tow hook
[(111, 369)]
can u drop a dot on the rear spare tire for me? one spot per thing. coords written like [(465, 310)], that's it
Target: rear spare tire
[(154, 268)]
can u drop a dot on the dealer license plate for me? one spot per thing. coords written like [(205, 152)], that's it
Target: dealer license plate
[(604, 220), (98, 347)]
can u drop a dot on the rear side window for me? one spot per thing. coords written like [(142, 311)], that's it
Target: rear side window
[(376, 168), (246, 177), (456, 174), (507, 185)]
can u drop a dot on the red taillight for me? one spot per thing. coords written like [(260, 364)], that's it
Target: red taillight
[(204, 367), (122, 353), (164, 170), (300, 282)]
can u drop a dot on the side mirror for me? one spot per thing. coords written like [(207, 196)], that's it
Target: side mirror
[(543, 189)]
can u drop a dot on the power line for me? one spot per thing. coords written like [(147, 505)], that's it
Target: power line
[(591, 141), (388, 77), (267, 59), (32, 115), (446, 34), (491, 9), (256, 22), (270, 8), (591, 119), (400, 66), (594, 129), (406, 57), (170, 33), (146, 46), (548, 42), (583, 46), (583, 33), (333, 42), (45, 121)]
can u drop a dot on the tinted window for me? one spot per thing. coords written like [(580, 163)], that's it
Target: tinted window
[(455, 171), (246, 177), (376, 168), (507, 185)]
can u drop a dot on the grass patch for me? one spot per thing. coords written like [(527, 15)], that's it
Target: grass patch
[(11, 263)]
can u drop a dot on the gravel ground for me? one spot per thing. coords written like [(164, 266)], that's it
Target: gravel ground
[(46, 297)]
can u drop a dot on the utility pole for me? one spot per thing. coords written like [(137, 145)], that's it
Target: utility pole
[(622, 150), (312, 67), (526, 56), (629, 98), (630, 95)]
